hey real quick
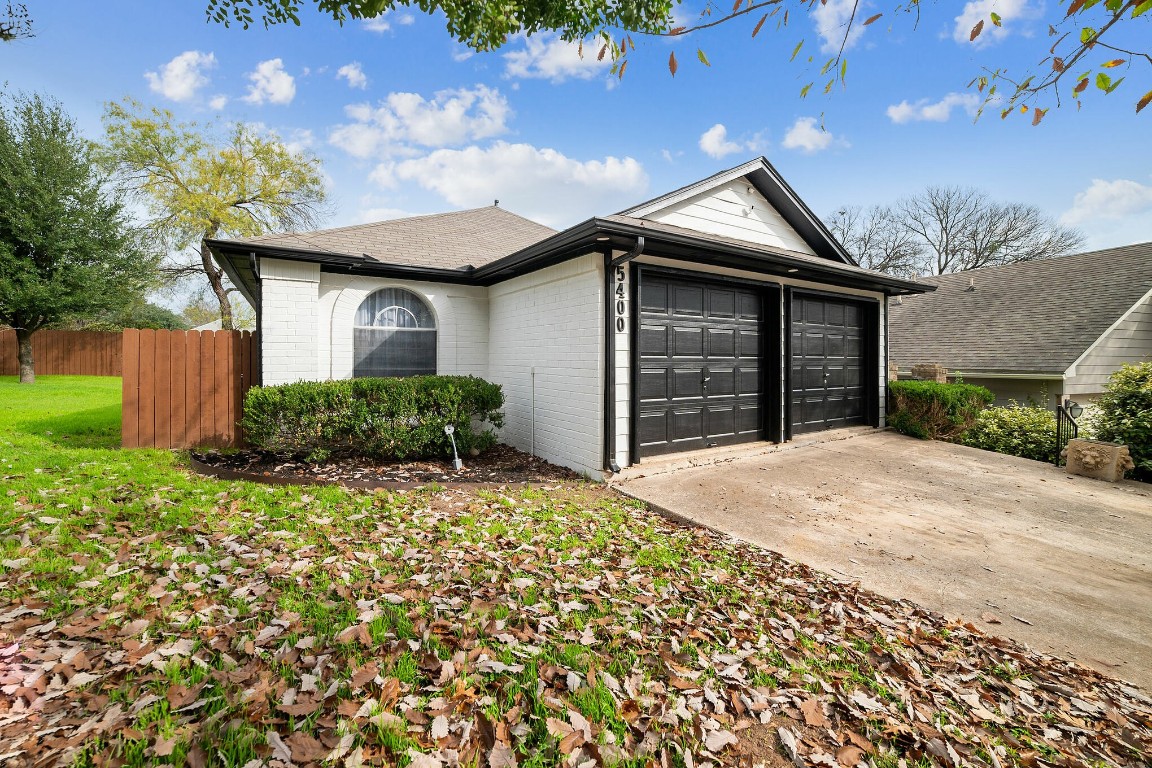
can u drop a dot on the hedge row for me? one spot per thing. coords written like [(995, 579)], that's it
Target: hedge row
[(1027, 431), (387, 418), (933, 410)]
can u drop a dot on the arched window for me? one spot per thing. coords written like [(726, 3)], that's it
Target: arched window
[(394, 335)]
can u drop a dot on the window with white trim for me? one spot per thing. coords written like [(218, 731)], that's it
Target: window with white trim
[(394, 334)]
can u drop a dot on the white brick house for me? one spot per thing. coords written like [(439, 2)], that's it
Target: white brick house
[(723, 312)]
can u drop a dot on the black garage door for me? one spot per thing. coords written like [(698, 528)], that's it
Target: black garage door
[(828, 363), (700, 364)]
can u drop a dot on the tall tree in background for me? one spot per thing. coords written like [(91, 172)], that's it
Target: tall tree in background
[(950, 229), (67, 247), (877, 240), (196, 187)]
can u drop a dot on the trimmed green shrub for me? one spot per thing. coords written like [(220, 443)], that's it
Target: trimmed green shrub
[(932, 410), (1124, 414), (1027, 431), (387, 418)]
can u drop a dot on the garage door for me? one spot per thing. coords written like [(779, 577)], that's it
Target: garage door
[(827, 363), (700, 364)]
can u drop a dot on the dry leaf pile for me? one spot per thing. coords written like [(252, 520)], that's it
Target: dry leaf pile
[(434, 630)]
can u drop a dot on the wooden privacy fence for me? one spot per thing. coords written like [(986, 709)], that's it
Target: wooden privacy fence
[(64, 353), (184, 389)]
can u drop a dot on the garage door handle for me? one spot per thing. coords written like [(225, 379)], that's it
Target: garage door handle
[(707, 377)]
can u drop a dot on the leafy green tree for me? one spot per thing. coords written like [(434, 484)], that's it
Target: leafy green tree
[(196, 187), (67, 247), (139, 314), (200, 311), (1087, 46)]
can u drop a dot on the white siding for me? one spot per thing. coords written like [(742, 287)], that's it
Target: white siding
[(735, 209), (288, 320), (545, 350), (623, 361), (461, 323), (1129, 341)]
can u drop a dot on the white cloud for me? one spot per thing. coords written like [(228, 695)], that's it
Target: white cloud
[(541, 184), (714, 143), (404, 120), (181, 78), (808, 137), (383, 22), (933, 111), (976, 11), (547, 57), (354, 74), (218, 102), (1111, 200), (831, 18), (271, 83)]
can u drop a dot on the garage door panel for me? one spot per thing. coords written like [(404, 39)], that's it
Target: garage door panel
[(654, 341), (750, 381), (687, 342), (722, 382), (749, 344), (853, 347), (654, 298), (687, 301), (687, 423), (690, 330), (751, 307), (834, 315), (828, 357), (653, 384), (721, 342), (721, 304), (686, 383), (653, 428), (748, 419), (721, 421)]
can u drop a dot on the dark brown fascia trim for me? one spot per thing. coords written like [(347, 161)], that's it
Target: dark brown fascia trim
[(592, 235), (582, 238), (341, 263)]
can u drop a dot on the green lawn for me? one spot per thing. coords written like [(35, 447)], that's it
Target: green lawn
[(153, 617)]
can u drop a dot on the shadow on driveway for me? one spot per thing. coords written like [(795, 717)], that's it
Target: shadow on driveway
[(1062, 563)]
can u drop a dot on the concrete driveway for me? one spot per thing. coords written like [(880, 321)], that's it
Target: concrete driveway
[(1064, 563)]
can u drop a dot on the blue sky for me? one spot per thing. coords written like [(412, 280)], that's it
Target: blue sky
[(407, 121)]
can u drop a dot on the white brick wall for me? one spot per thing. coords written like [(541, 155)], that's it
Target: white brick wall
[(288, 323), (550, 322)]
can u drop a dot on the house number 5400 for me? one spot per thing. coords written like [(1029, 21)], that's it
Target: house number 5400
[(620, 294)]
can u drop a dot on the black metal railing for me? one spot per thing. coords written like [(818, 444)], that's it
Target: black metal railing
[(1066, 429)]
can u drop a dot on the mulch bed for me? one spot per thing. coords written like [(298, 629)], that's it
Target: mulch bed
[(502, 465)]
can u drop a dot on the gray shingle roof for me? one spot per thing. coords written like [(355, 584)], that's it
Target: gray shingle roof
[(442, 240), (1038, 316)]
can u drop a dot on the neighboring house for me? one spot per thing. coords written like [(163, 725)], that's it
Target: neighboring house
[(1041, 331), (721, 313)]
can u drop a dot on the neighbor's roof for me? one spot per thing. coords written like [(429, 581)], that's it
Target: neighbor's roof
[(451, 240), (1033, 317)]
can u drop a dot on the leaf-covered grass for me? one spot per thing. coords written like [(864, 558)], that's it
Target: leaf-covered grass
[(152, 617)]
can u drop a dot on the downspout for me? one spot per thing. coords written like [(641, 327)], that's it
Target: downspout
[(610, 266)]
